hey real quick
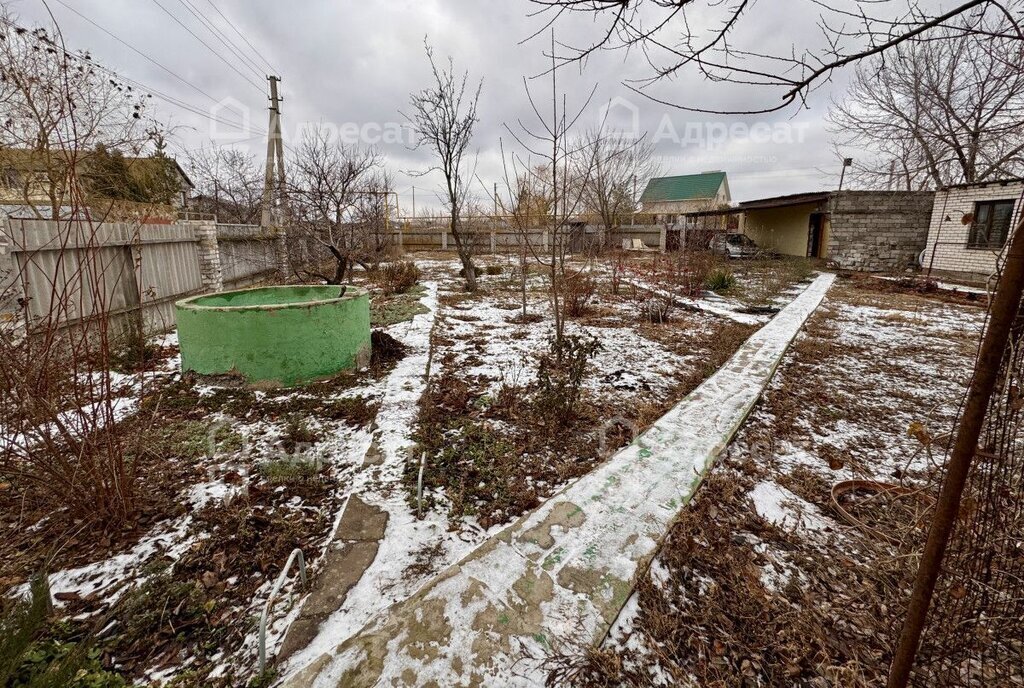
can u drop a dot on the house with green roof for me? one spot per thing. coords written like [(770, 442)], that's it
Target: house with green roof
[(669, 197)]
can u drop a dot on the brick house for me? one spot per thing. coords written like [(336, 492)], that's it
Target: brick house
[(970, 226)]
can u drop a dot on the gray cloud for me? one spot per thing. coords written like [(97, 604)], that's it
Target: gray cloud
[(357, 62)]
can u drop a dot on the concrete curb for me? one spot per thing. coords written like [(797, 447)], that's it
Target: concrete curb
[(562, 573)]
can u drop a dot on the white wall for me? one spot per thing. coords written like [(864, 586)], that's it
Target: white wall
[(947, 234)]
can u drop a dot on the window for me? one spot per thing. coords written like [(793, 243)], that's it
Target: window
[(10, 178), (991, 224)]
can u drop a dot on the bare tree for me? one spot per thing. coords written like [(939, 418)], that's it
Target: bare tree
[(323, 185), (62, 441), (229, 184), (944, 111), (620, 163), (709, 38), (59, 108), (444, 116), (373, 214), (561, 179)]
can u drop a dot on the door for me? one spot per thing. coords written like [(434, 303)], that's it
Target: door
[(814, 236)]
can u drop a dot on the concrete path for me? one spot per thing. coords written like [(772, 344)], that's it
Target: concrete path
[(562, 573), (353, 549)]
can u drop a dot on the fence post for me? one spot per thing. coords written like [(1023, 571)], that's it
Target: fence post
[(663, 239), (493, 244), (1005, 306), (10, 291), (444, 239), (209, 256)]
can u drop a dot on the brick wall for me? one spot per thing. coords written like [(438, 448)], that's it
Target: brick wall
[(878, 231), (947, 250)]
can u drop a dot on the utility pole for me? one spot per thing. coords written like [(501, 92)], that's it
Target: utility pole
[(275, 159), (632, 217), (414, 202), (273, 155)]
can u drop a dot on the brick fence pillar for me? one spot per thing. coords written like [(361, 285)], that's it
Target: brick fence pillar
[(209, 256)]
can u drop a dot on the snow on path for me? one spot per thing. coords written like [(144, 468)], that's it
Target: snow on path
[(384, 581), (564, 571)]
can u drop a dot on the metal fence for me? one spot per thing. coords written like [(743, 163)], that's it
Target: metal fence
[(130, 272)]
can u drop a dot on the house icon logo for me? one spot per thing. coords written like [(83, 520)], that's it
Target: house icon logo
[(620, 115), (230, 120)]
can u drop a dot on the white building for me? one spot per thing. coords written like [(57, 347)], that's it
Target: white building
[(970, 227)]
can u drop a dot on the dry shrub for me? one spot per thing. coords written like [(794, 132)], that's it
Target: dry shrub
[(397, 278), (578, 289), (62, 446), (691, 270), (656, 309)]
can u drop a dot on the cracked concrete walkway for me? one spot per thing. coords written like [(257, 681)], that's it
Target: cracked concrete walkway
[(563, 572)]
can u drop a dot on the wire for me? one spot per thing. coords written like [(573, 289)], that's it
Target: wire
[(138, 52), (208, 46), (172, 100), (225, 41), (242, 36)]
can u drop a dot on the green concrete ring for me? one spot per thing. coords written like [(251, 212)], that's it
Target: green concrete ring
[(275, 335)]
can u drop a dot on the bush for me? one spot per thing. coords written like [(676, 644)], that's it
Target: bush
[(656, 309), (577, 290), (560, 374), (398, 278), (31, 654), (720, 280), (692, 269)]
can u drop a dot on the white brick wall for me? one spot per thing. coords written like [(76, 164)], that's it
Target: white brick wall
[(947, 235)]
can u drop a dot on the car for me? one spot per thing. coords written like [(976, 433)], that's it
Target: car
[(734, 245)]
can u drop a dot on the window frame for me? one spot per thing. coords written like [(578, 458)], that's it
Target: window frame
[(973, 244)]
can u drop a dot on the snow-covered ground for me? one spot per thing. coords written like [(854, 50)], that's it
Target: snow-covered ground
[(867, 392)]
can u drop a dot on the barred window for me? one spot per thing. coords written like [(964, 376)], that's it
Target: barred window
[(991, 225)]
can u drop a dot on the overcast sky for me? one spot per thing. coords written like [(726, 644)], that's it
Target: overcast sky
[(347, 61)]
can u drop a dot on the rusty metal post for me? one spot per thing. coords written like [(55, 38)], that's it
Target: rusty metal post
[(1005, 306)]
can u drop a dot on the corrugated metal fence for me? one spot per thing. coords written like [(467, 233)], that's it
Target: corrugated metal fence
[(69, 270)]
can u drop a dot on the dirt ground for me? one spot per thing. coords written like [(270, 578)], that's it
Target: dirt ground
[(235, 478), (765, 579), (493, 445)]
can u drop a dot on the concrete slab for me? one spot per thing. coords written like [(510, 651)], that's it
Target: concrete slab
[(362, 522), (562, 573), (350, 553)]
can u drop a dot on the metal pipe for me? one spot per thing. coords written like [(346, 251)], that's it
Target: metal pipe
[(296, 554)]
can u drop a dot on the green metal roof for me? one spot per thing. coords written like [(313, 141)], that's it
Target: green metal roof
[(686, 187)]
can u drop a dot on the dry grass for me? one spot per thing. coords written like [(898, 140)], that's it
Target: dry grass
[(739, 601)]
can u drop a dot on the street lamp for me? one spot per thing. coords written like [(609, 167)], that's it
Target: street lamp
[(847, 162)]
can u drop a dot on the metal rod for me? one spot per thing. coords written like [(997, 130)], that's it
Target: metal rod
[(419, 485), (296, 554), (1005, 307)]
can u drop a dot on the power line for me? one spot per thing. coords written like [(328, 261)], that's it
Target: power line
[(242, 36), (139, 52), (225, 41), (172, 100), (208, 46)]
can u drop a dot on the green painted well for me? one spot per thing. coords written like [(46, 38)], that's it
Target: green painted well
[(278, 335)]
